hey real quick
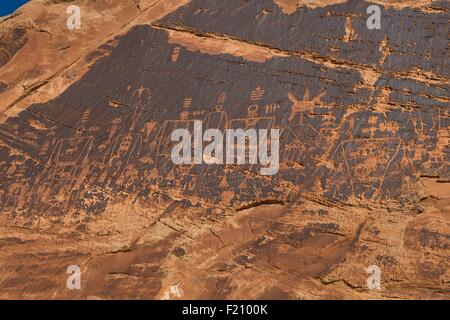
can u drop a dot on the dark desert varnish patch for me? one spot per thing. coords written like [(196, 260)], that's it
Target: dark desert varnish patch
[(364, 154)]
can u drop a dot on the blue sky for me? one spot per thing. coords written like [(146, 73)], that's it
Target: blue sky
[(9, 6)]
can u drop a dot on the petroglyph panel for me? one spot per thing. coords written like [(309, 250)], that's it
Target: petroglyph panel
[(11, 41), (112, 134), (337, 31)]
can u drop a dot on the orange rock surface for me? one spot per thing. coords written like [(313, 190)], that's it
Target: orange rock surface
[(86, 178)]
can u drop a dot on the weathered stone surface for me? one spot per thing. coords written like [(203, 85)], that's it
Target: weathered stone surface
[(364, 119)]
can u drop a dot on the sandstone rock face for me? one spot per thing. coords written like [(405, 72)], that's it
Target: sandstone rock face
[(85, 150)]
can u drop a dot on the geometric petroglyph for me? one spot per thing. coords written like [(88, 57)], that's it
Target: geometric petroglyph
[(368, 162)]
